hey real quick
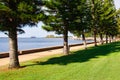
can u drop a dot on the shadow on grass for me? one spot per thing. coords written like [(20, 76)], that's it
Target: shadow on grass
[(83, 55)]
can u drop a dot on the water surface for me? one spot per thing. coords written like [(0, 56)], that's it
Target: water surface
[(31, 43)]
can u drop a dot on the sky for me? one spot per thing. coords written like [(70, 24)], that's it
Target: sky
[(39, 32)]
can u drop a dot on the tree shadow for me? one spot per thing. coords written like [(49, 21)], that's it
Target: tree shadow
[(83, 55)]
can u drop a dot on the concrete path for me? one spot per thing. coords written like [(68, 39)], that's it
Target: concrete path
[(26, 57)]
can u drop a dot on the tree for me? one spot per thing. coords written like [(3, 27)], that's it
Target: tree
[(103, 18), (108, 21), (15, 14), (59, 17), (94, 25), (82, 20)]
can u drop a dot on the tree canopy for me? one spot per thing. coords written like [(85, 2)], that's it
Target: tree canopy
[(15, 14)]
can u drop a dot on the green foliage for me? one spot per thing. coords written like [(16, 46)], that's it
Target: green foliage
[(104, 13), (4, 8), (18, 13), (118, 19), (82, 18), (108, 19), (24, 7), (95, 63), (60, 14), (15, 14)]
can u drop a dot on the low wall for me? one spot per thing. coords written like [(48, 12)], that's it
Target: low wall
[(22, 52), (4, 54)]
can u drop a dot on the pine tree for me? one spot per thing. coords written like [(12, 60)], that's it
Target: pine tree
[(59, 18), (82, 20), (15, 14)]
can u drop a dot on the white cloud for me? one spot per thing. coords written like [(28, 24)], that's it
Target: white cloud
[(117, 3)]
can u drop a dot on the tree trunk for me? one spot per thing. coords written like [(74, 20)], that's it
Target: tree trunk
[(109, 39), (13, 53), (65, 44), (112, 38), (101, 38), (84, 40), (94, 26), (106, 38), (95, 41)]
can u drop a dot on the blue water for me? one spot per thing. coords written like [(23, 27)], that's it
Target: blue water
[(32, 43)]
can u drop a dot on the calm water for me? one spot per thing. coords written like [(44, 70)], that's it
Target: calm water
[(31, 43)]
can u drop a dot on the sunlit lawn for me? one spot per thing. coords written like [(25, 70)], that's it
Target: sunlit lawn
[(95, 63)]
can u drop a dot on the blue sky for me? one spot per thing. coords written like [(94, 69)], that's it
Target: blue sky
[(39, 32)]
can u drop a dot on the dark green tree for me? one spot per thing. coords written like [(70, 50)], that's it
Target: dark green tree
[(82, 20), (59, 18), (102, 18), (108, 21), (15, 14)]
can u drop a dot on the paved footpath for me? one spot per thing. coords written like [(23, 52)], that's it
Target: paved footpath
[(26, 57)]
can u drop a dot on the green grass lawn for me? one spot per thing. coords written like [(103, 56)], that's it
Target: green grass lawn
[(95, 63)]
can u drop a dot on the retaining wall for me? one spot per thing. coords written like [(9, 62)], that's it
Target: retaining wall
[(22, 52)]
